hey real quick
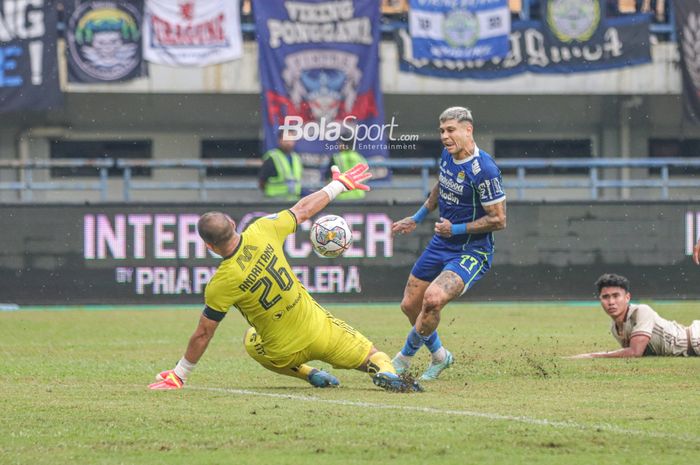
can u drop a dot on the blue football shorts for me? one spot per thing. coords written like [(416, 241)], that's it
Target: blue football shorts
[(470, 264)]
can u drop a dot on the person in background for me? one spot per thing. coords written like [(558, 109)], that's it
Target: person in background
[(281, 172), (638, 328)]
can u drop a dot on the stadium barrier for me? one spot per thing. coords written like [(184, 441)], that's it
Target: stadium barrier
[(520, 176), (151, 254)]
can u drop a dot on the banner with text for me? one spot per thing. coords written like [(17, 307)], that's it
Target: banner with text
[(192, 32), (319, 64), (103, 41), (154, 254), (687, 15), (477, 30), (28, 57), (625, 43), (119, 254)]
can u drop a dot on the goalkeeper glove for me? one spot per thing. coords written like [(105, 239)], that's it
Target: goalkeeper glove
[(167, 380), (352, 179)]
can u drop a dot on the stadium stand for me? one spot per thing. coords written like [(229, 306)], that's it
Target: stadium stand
[(623, 116)]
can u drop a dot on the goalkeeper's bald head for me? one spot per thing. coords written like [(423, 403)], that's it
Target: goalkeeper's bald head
[(216, 228)]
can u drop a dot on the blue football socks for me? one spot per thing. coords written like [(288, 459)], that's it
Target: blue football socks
[(415, 341), (433, 343)]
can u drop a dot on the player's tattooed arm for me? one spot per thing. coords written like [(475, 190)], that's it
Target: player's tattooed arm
[(408, 224), (432, 201), (443, 227), (493, 220), (404, 226)]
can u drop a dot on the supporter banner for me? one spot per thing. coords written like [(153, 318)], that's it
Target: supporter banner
[(28, 59), (687, 15), (103, 40), (573, 21), (119, 254), (625, 43), (319, 72), (192, 32), (460, 31)]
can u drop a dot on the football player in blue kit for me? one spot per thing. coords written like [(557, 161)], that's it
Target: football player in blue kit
[(471, 202)]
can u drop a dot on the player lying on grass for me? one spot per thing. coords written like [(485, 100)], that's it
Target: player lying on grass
[(289, 328), (638, 328)]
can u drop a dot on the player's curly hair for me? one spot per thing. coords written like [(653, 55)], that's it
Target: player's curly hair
[(612, 280)]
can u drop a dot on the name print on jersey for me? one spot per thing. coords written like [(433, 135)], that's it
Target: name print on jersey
[(490, 188)]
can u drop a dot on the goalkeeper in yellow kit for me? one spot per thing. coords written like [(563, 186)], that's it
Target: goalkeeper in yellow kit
[(289, 328)]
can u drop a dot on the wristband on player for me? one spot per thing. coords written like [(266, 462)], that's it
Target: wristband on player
[(459, 229), (420, 215), (334, 189)]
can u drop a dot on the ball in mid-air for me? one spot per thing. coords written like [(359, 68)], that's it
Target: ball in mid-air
[(330, 236)]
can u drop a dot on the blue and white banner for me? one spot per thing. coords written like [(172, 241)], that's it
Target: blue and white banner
[(625, 43), (28, 59), (319, 67), (458, 29), (192, 32)]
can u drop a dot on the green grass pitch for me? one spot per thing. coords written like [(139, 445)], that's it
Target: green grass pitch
[(73, 391)]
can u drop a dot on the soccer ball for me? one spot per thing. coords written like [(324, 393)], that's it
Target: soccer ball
[(330, 236)]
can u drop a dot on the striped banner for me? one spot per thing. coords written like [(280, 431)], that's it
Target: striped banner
[(439, 29)]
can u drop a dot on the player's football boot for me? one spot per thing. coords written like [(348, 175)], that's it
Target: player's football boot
[(395, 383), (434, 369), (171, 381), (322, 379), (401, 365)]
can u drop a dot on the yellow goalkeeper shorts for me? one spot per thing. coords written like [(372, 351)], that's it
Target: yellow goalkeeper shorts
[(339, 344)]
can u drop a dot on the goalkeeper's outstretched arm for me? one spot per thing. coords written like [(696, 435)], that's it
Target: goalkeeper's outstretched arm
[(350, 180)]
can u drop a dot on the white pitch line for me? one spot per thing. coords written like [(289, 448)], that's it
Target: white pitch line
[(463, 413)]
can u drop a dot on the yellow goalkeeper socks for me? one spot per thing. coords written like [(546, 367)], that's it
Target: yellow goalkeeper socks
[(302, 371), (379, 362)]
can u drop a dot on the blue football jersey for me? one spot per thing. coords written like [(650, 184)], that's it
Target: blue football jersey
[(465, 187)]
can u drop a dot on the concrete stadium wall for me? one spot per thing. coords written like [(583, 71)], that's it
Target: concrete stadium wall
[(150, 254), (177, 125)]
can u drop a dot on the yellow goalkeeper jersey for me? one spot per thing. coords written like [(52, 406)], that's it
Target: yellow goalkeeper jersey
[(257, 280)]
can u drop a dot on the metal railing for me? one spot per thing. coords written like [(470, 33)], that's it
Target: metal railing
[(594, 182), (521, 180), (203, 184), (26, 185)]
